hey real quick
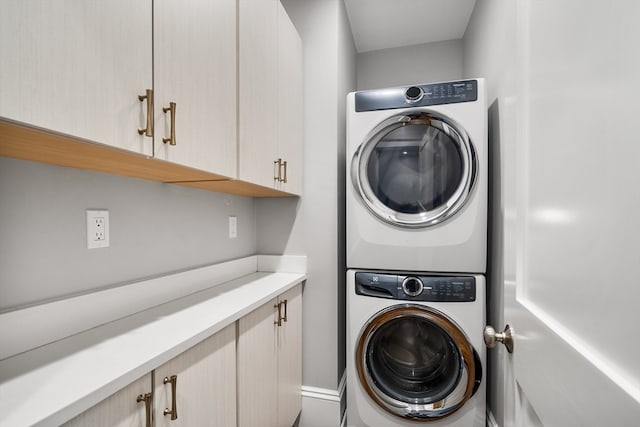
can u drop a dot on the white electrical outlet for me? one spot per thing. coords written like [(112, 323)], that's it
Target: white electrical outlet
[(233, 227), (97, 228)]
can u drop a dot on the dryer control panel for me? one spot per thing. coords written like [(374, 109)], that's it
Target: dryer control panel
[(417, 96), (419, 287)]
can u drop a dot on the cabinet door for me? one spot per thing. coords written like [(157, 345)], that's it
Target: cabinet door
[(77, 67), (257, 368), (290, 358), (121, 409), (205, 384), (258, 90), (290, 107), (195, 67)]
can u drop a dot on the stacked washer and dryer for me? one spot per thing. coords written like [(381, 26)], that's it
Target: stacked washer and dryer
[(416, 206)]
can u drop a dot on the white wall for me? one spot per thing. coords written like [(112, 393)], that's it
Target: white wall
[(489, 46), (314, 225), (155, 228), (424, 63)]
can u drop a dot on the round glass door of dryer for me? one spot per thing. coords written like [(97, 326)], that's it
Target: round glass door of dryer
[(415, 363), (415, 170)]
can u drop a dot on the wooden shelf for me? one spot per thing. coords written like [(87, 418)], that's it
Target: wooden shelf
[(236, 186), (23, 142)]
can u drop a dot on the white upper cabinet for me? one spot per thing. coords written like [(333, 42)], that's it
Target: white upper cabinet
[(81, 69), (290, 113), (270, 97), (258, 90), (212, 89), (77, 67), (195, 68)]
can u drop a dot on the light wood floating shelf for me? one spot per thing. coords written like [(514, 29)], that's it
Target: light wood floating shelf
[(28, 143)]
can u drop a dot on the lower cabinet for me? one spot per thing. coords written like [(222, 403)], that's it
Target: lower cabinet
[(290, 358), (251, 378), (118, 410), (270, 363), (204, 393), (198, 387)]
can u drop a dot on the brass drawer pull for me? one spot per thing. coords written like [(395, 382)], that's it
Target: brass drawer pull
[(147, 131), (279, 307), (146, 398), (171, 108), (278, 176), (285, 181), (174, 406)]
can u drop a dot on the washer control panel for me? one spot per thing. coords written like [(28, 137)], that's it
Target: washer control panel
[(417, 96), (434, 288)]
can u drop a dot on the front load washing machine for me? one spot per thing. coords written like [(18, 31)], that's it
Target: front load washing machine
[(416, 196), (415, 349)]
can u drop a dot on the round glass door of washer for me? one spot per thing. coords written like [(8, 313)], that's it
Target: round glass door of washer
[(416, 363), (415, 170)]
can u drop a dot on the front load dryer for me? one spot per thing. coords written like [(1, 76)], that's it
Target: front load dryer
[(415, 349), (416, 196)]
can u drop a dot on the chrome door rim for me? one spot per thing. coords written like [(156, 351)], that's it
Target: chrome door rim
[(424, 219), (463, 391)]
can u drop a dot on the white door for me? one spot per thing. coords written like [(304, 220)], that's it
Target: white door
[(571, 220)]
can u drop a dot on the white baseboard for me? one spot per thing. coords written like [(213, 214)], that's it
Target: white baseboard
[(323, 407)]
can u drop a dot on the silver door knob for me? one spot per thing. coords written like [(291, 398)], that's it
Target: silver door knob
[(491, 337)]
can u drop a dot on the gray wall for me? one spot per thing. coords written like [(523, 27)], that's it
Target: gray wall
[(347, 79), (490, 52), (155, 228), (314, 225), (429, 62)]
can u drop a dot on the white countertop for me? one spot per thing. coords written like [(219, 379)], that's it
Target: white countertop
[(51, 384)]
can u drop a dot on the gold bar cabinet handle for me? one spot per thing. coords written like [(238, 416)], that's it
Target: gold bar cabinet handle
[(279, 307), (171, 108), (146, 398), (148, 131), (285, 306), (285, 181), (278, 176), (174, 406)]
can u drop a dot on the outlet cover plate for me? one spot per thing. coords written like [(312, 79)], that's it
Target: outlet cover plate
[(97, 228), (233, 227)]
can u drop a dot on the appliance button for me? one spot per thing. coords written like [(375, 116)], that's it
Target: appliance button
[(413, 94), (412, 286)]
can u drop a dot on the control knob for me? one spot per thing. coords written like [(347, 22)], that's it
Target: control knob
[(412, 286), (413, 94)]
